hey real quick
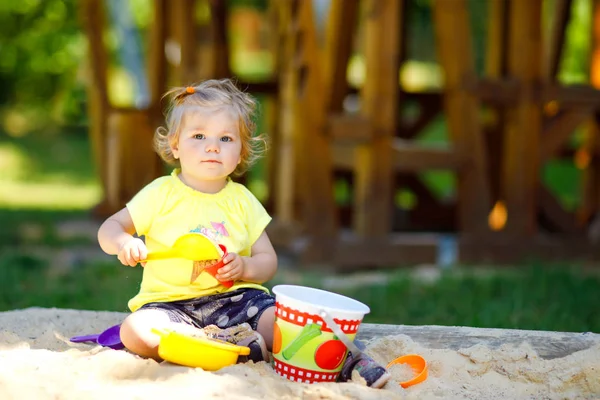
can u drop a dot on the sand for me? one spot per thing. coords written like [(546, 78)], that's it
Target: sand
[(37, 361)]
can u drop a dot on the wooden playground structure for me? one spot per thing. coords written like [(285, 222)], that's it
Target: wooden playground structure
[(503, 127)]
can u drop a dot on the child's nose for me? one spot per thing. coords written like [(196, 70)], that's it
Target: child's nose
[(212, 146)]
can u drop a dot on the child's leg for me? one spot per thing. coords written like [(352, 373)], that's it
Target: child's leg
[(265, 326), (136, 331)]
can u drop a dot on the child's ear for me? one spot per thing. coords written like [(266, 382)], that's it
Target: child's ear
[(174, 148)]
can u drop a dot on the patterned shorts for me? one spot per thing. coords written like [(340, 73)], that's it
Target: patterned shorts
[(223, 309)]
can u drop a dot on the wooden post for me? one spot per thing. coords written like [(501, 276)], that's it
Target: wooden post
[(453, 41), (523, 119), (374, 169), (286, 188), (341, 24), (561, 14), (495, 68), (314, 172), (92, 15), (220, 44), (272, 107), (590, 206), (304, 194), (183, 23), (157, 64)]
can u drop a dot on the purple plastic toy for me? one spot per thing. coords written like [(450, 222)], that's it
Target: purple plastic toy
[(108, 338)]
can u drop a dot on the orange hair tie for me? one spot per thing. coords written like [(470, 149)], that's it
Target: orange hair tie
[(190, 90)]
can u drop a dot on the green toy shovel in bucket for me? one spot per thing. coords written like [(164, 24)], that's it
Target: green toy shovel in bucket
[(314, 329)]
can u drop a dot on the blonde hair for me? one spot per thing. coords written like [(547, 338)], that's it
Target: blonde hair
[(212, 93)]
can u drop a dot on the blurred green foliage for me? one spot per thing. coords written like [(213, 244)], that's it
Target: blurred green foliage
[(42, 48)]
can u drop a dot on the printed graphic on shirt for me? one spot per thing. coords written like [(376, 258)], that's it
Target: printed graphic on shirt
[(216, 231)]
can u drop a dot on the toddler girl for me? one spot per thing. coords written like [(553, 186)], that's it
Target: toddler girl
[(208, 137)]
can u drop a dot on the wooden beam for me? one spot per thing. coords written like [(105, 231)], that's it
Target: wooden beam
[(571, 96), (407, 157), (394, 250), (561, 14), (414, 157), (558, 129), (504, 91), (494, 91), (341, 24), (373, 186), (350, 128), (547, 345), (349, 251), (523, 120), (511, 250), (453, 42)]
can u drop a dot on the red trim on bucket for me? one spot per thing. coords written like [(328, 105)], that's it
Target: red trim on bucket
[(300, 318), (296, 374)]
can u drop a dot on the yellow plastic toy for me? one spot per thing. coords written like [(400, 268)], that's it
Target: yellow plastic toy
[(192, 246), (198, 352)]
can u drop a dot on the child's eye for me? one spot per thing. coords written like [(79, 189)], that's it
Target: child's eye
[(199, 136), (226, 139)]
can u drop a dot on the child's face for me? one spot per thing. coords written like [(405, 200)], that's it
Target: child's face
[(208, 148)]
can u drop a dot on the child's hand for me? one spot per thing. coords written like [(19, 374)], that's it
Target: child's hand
[(132, 252), (233, 269)]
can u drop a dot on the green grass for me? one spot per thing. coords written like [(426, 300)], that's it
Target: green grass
[(26, 227), (539, 298), (27, 281), (47, 171)]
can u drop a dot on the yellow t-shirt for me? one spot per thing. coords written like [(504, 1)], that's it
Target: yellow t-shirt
[(166, 209)]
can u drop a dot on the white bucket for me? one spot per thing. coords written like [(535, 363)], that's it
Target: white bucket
[(305, 349)]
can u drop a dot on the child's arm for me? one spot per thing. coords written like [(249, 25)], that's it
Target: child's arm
[(258, 268), (116, 237)]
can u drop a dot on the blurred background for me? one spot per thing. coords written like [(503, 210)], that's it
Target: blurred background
[(55, 185)]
